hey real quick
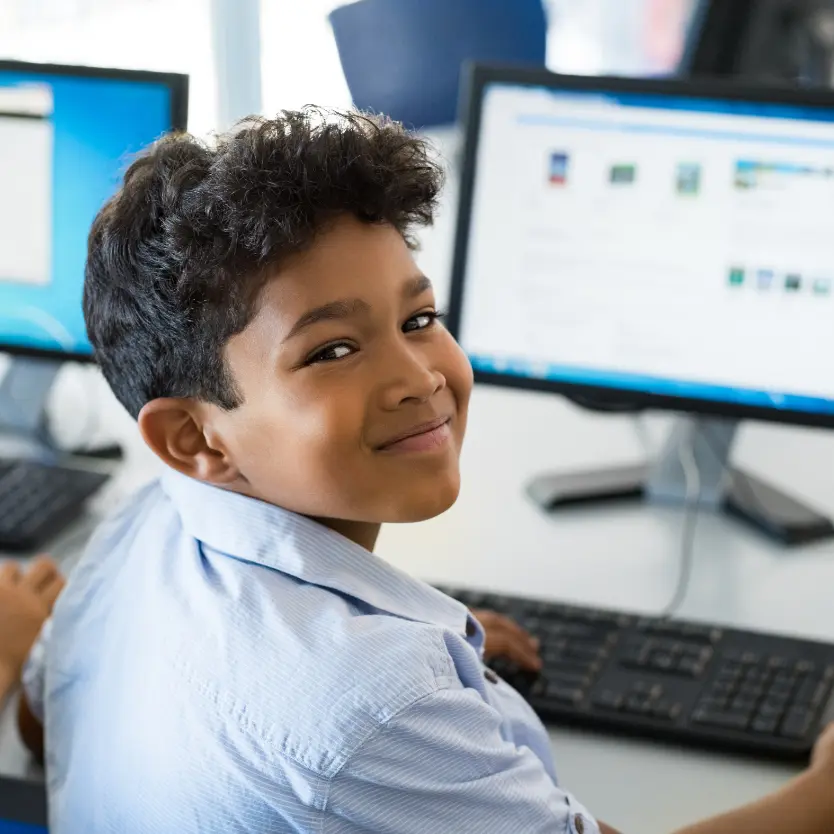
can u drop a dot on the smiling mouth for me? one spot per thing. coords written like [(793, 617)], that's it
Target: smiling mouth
[(422, 438)]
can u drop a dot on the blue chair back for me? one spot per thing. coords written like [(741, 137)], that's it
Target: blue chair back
[(403, 57)]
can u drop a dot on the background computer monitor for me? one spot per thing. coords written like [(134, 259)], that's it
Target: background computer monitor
[(659, 243), (770, 41), (22, 806), (649, 244), (66, 136)]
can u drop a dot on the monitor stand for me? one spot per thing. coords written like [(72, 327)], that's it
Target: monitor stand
[(721, 486), (24, 392)]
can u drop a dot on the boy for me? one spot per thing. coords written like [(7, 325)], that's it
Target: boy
[(230, 656)]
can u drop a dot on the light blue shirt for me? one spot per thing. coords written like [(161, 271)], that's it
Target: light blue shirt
[(217, 664)]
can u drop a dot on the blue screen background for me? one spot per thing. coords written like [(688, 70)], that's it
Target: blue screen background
[(20, 828), (98, 125)]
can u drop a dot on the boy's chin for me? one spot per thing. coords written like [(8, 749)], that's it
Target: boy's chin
[(421, 505)]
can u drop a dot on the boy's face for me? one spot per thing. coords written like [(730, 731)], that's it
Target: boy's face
[(354, 397)]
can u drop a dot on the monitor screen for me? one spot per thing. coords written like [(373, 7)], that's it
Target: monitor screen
[(66, 136), (9, 827), (650, 243)]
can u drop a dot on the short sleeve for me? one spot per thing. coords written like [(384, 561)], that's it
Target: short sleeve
[(442, 765), (34, 672)]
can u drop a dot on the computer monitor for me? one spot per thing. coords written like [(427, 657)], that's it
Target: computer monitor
[(661, 244), (23, 807), (770, 41), (66, 136)]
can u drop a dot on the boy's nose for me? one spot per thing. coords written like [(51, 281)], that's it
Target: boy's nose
[(412, 380)]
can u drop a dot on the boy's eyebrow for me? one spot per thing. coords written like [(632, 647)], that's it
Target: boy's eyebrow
[(342, 309), (347, 307), (416, 286)]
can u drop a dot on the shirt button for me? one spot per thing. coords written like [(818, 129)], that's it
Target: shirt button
[(579, 824), (491, 676), (471, 629)]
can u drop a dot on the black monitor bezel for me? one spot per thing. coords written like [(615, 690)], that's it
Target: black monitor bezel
[(23, 801), (178, 85), (476, 78)]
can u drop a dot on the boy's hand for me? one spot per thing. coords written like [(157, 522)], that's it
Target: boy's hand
[(823, 755), (26, 600), (507, 639)]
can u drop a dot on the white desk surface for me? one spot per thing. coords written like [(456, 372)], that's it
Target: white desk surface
[(621, 557)]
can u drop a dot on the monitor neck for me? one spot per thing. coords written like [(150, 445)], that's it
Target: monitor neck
[(24, 392), (694, 462)]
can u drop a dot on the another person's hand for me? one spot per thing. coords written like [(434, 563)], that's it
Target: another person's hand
[(26, 600), (506, 639)]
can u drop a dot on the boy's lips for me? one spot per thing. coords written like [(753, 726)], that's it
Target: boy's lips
[(419, 438)]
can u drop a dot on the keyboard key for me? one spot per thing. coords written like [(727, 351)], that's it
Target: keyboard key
[(608, 700), (635, 659), (753, 691), (667, 711), (722, 689), (770, 710), (647, 688), (725, 720), (729, 675), (756, 674), (711, 703), (583, 651), (567, 679), (811, 692), (638, 704), (797, 723), (785, 677), (560, 666), (775, 703), (708, 633), (780, 691), (745, 705), (690, 667), (662, 661), (564, 694), (766, 726)]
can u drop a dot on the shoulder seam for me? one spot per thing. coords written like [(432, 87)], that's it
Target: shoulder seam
[(381, 726)]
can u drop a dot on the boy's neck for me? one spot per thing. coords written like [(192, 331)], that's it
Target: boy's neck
[(363, 533)]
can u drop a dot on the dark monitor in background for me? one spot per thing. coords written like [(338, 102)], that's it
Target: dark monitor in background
[(653, 244), (67, 135), (770, 41), (22, 806)]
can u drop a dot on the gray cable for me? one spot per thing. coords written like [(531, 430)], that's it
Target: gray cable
[(692, 509)]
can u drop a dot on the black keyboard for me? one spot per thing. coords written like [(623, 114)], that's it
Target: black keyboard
[(37, 501), (671, 680)]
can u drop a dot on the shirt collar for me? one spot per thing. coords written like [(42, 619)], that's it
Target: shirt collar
[(264, 534)]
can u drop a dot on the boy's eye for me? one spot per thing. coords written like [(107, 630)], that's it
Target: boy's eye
[(422, 320), (331, 353)]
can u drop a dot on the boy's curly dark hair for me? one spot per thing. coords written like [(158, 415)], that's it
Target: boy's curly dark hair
[(177, 258)]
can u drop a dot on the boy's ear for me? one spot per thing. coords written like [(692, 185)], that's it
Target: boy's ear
[(175, 430)]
